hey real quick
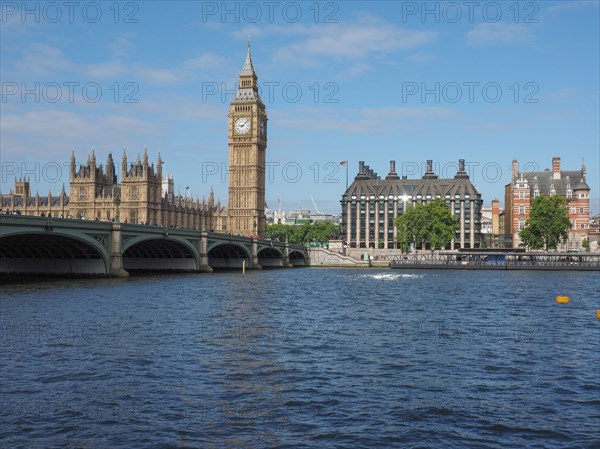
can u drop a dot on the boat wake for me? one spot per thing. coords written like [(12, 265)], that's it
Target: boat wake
[(392, 276)]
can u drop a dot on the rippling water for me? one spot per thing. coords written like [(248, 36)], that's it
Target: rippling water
[(303, 358)]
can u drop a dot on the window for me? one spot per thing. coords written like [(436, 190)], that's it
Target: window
[(134, 193), (573, 210), (536, 193), (133, 216), (569, 194), (521, 224), (582, 226), (552, 192), (81, 193), (521, 195), (581, 210), (522, 210)]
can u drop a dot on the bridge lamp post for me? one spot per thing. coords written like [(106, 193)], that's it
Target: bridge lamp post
[(117, 202)]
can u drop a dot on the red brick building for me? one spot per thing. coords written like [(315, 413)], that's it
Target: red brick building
[(526, 186)]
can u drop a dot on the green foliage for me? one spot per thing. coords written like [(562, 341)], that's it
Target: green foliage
[(586, 244), (431, 223), (548, 224), (440, 224), (409, 226), (320, 231)]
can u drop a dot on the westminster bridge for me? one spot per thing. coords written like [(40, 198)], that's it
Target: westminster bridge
[(66, 246)]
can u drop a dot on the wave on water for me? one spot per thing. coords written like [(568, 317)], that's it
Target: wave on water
[(392, 276)]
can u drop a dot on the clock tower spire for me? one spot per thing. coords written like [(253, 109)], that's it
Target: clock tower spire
[(247, 137)]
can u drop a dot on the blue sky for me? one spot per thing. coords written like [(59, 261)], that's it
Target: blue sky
[(488, 82)]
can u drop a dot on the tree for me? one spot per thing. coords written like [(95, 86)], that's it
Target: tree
[(431, 223), (586, 244), (304, 233), (548, 224), (440, 225), (409, 226)]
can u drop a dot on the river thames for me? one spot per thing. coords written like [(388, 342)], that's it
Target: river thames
[(303, 358)]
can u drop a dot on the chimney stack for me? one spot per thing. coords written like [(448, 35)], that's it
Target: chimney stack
[(392, 174), (495, 216), (556, 167), (461, 173), (515, 169), (429, 174)]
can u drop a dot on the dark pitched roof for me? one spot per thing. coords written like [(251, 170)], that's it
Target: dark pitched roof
[(544, 181), (368, 184)]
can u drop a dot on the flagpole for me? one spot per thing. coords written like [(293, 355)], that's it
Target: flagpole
[(346, 175)]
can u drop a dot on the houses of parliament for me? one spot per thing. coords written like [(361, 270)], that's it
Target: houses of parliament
[(145, 194)]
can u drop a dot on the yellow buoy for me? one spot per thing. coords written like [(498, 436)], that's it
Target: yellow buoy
[(562, 299), (598, 314)]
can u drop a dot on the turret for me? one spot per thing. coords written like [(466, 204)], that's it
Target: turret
[(123, 166), (159, 164), (145, 163), (72, 166)]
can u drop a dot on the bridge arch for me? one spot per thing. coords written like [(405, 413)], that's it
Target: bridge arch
[(228, 255), (270, 257), (297, 259), (151, 253), (53, 252)]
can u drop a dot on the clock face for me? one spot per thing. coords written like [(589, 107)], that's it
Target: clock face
[(242, 125), (263, 128)]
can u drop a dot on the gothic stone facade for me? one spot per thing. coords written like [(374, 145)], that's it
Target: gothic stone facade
[(371, 204), (526, 186), (95, 194)]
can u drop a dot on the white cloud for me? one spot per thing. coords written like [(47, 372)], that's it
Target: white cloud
[(565, 94), (122, 44), (42, 61), (565, 6), (500, 33), (52, 134), (367, 120), (350, 43), (421, 57)]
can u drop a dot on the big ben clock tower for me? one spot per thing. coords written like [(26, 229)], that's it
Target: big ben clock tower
[(247, 148)]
